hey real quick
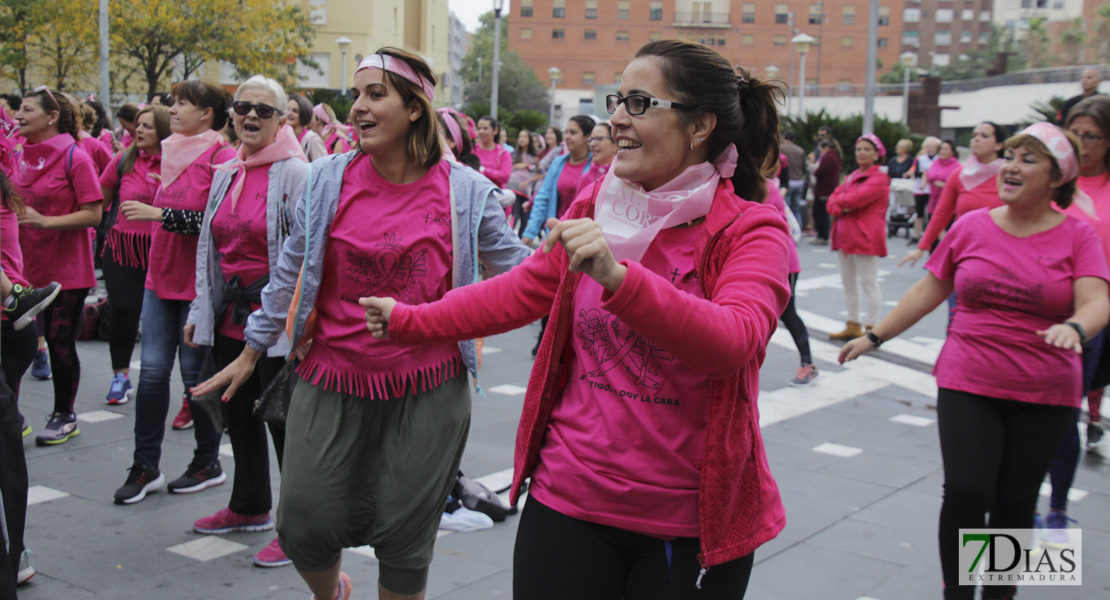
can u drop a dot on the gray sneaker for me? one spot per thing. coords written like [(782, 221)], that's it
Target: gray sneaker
[(59, 428)]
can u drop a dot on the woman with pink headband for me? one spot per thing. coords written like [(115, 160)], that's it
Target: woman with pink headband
[(327, 126), (375, 430), (1031, 287), (858, 234), (663, 283)]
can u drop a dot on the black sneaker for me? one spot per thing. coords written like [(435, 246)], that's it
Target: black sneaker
[(140, 480), (197, 478), (1094, 434), (27, 302)]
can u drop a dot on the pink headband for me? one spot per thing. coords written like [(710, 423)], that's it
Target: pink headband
[(875, 141), (400, 68), (452, 127), (1058, 144)]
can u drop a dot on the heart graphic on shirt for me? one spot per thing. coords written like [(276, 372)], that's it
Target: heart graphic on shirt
[(390, 271), (602, 338)]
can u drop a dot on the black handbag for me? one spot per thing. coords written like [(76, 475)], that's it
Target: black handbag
[(273, 405)]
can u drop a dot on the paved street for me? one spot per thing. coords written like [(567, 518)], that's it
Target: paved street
[(855, 455)]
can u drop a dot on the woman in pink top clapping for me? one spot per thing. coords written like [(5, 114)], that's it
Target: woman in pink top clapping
[(663, 283), (1031, 287)]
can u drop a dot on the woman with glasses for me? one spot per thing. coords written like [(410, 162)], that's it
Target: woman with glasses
[(245, 226), (603, 148), (58, 183), (664, 283), (189, 159)]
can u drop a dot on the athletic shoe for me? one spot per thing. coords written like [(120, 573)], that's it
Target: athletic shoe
[(40, 368), (26, 571), (26, 302), (1094, 434), (26, 426), (184, 418), (464, 519), (343, 590), (271, 556), (226, 521), (120, 390), (197, 478), (59, 428), (804, 376), (1056, 532), (140, 480)]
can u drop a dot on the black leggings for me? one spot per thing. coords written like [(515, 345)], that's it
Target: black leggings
[(821, 218), (126, 288), (13, 487), (995, 454), (61, 323), (17, 352), (795, 325), (559, 557)]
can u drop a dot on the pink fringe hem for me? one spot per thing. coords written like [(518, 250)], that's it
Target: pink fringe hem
[(379, 386)]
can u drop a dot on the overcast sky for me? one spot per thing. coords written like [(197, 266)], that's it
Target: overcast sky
[(469, 11)]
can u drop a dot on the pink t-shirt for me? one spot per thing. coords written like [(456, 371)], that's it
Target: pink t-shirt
[(1098, 190), (594, 173), (172, 273), (386, 240), (11, 255), (100, 155), (62, 256), (129, 241), (239, 234), (1008, 288), (774, 198), (629, 431), (497, 164), (955, 200), (567, 186)]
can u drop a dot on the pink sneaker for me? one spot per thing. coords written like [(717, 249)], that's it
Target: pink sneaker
[(226, 521), (184, 418), (343, 590), (271, 556)]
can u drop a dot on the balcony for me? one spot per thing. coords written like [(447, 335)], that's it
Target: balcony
[(713, 20)]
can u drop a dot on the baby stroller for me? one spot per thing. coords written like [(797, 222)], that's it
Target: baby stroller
[(901, 213)]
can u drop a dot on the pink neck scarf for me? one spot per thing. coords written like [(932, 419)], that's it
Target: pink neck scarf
[(329, 126), (630, 217), (37, 159), (400, 68), (179, 151), (284, 146), (976, 173)]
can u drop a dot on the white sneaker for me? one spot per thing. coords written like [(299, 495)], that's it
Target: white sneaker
[(26, 571), (464, 519)]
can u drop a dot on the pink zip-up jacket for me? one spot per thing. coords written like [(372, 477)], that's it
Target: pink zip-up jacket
[(859, 205), (743, 274)]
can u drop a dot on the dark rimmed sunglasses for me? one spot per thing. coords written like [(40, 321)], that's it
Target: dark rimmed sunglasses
[(244, 108)]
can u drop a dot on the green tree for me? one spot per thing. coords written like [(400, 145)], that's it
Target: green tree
[(64, 44), (845, 131), (1073, 40), (518, 86), (18, 18), (1102, 33), (1034, 45)]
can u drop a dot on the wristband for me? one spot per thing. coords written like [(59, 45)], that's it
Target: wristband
[(1078, 329), (875, 340)]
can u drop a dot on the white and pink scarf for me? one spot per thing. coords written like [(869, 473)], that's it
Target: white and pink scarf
[(975, 173), (285, 145), (179, 151)]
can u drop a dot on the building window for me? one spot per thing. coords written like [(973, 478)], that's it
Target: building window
[(720, 41), (782, 14), (984, 38), (748, 39), (591, 9), (591, 34), (588, 78), (748, 16), (943, 38), (560, 9), (319, 14), (884, 15), (656, 11), (881, 42), (847, 41), (780, 40), (911, 15), (944, 15), (525, 33), (815, 16), (624, 9), (910, 38), (710, 42), (622, 35), (965, 37), (654, 36), (557, 34), (967, 15), (985, 16), (525, 8), (849, 15)]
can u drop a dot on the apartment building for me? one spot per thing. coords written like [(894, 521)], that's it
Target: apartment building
[(940, 31)]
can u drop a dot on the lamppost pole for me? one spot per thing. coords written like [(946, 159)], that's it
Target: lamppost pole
[(802, 42), (344, 43), (104, 56), (908, 60), (872, 59), (554, 73), (496, 57)]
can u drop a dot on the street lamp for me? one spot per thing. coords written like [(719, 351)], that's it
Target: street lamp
[(496, 56), (909, 61), (772, 72), (344, 44), (555, 75), (802, 42)]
